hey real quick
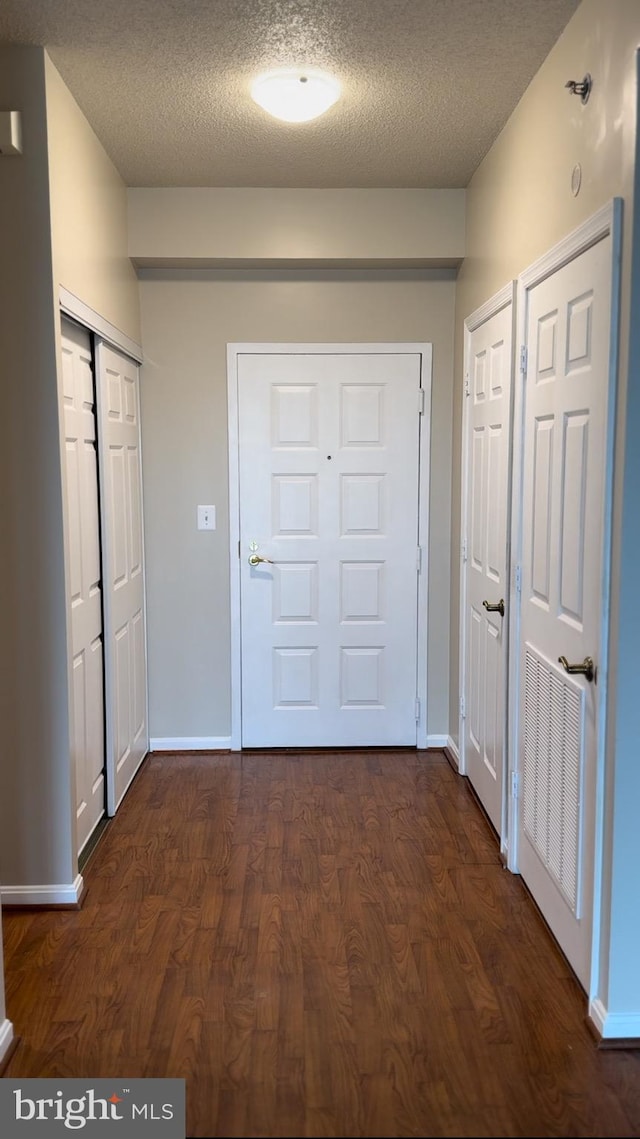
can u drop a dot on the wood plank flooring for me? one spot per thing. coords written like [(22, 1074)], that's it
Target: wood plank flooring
[(322, 944)]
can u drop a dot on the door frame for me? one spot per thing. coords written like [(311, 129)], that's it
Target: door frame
[(100, 330), (606, 221), (234, 351), (481, 315)]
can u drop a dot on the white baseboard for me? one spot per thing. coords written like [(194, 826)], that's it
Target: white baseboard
[(437, 741), (453, 748), (6, 1038), (59, 895), (190, 743), (614, 1026), (598, 1015)]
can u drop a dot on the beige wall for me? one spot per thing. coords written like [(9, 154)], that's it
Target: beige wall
[(186, 325), (519, 204), (242, 227), (88, 214), (35, 782)]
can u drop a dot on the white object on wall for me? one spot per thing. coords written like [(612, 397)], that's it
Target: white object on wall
[(10, 132), (206, 518)]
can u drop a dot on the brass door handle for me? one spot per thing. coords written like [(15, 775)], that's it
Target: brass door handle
[(255, 559), (499, 608), (585, 669)]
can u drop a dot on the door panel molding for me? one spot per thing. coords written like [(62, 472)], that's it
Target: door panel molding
[(234, 351)]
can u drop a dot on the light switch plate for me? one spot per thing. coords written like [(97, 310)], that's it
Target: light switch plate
[(206, 518)]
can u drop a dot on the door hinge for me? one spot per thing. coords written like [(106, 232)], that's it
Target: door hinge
[(417, 710), (238, 547), (462, 708), (517, 579), (467, 384), (419, 559), (420, 401), (463, 549), (524, 359), (515, 784)]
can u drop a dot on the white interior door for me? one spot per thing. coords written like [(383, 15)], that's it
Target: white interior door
[(328, 485), (568, 332), (485, 550), (85, 584), (122, 533)]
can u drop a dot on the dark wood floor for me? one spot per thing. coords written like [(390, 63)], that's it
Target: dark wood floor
[(322, 945)]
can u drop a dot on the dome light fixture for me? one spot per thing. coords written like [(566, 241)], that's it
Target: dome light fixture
[(295, 94)]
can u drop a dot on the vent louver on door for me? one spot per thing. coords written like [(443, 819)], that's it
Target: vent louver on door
[(553, 760)]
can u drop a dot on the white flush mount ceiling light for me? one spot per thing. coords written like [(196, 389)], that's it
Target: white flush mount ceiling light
[(295, 94)]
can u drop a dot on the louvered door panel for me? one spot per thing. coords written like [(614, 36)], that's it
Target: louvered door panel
[(553, 765)]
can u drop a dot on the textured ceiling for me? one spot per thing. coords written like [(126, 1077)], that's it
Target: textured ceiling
[(427, 84)]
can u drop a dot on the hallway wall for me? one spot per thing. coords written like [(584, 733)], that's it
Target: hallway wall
[(187, 321), (88, 213), (35, 773)]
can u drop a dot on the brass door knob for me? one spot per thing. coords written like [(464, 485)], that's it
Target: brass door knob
[(255, 559)]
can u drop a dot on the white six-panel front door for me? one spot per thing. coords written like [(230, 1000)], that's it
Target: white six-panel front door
[(568, 333), (488, 404), (328, 485)]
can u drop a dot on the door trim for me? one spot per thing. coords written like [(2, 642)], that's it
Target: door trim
[(607, 221), (233, 352), (73, 306), (495, 304)]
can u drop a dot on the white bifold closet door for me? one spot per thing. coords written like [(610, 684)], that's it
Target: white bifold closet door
[(127, 730), (84, 581)]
